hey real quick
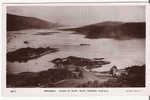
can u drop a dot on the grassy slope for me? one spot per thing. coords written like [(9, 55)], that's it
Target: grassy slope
[(16, 22), (116, 30)]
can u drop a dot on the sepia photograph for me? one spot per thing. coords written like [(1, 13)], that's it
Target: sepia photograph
[(99, 46)]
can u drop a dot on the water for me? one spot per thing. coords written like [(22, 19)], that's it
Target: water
[(122, 53)]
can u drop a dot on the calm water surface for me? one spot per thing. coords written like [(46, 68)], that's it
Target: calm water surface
[(121, 53)]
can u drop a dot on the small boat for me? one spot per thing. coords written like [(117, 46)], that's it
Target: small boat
[(84, 44), (26, 42)]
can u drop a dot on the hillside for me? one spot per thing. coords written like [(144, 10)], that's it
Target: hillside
[(116, 30), (65, 78), (16, 22)]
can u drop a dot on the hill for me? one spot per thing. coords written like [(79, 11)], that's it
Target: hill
[(116, 30), (65, 78), (16, 22)]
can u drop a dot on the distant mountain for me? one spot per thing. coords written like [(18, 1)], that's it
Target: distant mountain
[(16, 22), (116, 30)]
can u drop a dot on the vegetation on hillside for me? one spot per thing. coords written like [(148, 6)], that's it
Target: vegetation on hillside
[(116, 30), (16, 22)]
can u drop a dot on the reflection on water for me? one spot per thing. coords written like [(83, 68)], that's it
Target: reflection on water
[(121, 53)]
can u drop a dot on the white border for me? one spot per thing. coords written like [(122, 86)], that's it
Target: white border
[(101, 1), (148, 47), (40, 91)]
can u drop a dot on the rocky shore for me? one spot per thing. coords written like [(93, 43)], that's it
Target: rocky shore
[(75, 72), (25, 54), (76, 62)]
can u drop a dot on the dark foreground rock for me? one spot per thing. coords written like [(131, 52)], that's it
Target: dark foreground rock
[(66, 69), (134, 78), (38, 79), (25, 54), (74, 72), (66, 78)]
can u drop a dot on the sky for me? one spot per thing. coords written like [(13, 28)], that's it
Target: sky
[(81, 15)]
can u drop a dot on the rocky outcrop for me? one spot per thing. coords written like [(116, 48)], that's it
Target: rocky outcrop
[(38, 79), (80, 62), (25, 54)]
